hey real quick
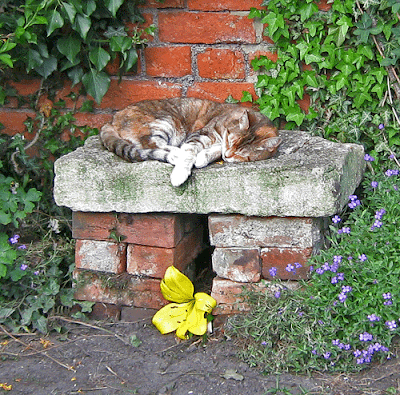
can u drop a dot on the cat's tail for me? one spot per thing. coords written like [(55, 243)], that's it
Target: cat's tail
[(123, 148)]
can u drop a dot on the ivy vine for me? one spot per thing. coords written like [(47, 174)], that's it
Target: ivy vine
[(346, 59), (79, 38)]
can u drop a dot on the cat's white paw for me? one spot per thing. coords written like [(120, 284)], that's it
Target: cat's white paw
[(201, 160), (179, 175)]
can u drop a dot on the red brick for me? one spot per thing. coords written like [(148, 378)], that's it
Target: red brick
[(168, 61), (103, 256), (223, 5), (205, 28), (13, 121), (323, 5), (92, 120), (219, 91), (156, 230), (113, 67), (230, 300), (270, 55), (154, 261), (93, 226), (165, 4), (281, 257), (121, 289), (26, 87), (221, 64), (127, 92), (237, 264)]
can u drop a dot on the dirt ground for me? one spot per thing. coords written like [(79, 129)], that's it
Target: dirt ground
[(132, 357)]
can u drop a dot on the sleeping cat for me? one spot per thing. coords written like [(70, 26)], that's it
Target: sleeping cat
[(187, 132)]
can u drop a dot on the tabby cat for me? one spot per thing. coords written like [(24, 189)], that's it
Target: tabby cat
[(187, 132)]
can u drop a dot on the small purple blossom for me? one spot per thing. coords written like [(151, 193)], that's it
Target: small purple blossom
[(380, 213), (373, 317), (14, 239), (273, 271), (23, 267), (22, 247), (392, 156), (346, 289), (374, 184), (340, 276), (298, 265), (381, 126), (342, 297), (387, 302), (336, 342), (36, 273), (337, 259), (387, 295), (354, 203), (391, 172), (391, 325), (320, 270), (277, 294), (336, 219), (376, 224), (326, 355), (345, 229), (290, 268), (357, 353), (368, 158), (362, 258), (365, 337), (263, 343), (334, 280)]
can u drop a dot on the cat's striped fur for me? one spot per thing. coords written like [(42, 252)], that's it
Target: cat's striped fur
[(189, 132)]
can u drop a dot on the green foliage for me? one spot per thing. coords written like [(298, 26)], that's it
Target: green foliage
[(36, 276), (339, 58), (348, 314), (50, 37)]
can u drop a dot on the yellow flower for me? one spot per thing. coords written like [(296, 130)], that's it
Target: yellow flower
[(188, 313)]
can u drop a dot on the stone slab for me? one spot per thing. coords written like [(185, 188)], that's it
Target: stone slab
[(309, 177)]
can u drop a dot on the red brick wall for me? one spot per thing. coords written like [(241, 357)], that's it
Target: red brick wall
[(201, 49)]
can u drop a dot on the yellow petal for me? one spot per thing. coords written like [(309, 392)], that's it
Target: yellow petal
[(171, 316), (204, 302), (196, 322), (176, 287)]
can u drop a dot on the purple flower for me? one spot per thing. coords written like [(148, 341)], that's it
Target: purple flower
[(377, 224), (277, 294), (320, 270), (14, 239), (392, 156), (353, 197), (273, 271), (381, 126), (393, 172), (22, 247), (326, 355), (387, 302), (362, 258), (345, 229), (342, 297), (336, 342), (368, 158), (354, 203), (336, 219), (334, 280), (36, 273), (357, 353), (391, 325), (263, 343), (346, 289), (374, 184), (298, 265), (340, 276), (365, 337), (290, 268), (23, 267), (337, 259), (387, 295), (373, 317), (380, 213)]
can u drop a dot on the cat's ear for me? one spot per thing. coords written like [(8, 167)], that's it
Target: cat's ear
[(272, 143), (244, 122)]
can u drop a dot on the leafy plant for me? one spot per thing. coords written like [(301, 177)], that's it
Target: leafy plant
[(50, 37), (345, 59), (348, 314)]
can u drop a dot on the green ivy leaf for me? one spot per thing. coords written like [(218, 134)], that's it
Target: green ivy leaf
[(33, 59), (55, 21), (89, 7), (99, 57), (113, 6), (76, 75), (69, 46), (306, 10), (131, 58), (96, 84), (275, 22), (120, 43), (6, 59), (296, 116), (70, 11), (47, 67), (246, 97), (82, 25)]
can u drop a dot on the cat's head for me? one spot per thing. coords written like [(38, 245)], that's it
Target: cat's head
[(244, 142)]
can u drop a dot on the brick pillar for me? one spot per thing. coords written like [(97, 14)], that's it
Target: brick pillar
[(129, 272), (246, 248)]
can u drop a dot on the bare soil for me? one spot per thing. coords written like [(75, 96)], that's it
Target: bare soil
[(132, 357)]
